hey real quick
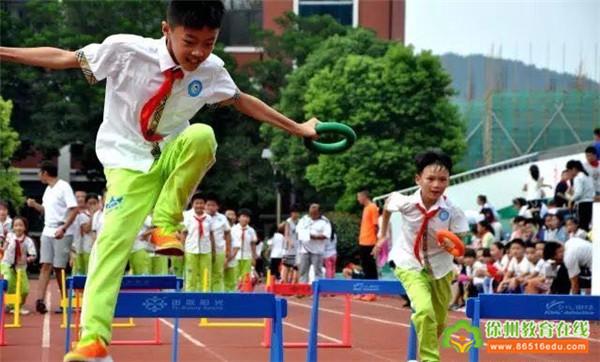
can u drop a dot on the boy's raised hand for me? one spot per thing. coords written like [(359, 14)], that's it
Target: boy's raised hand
[(308, 128)]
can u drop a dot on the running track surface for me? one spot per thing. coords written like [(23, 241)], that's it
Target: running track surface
[(380, 333)]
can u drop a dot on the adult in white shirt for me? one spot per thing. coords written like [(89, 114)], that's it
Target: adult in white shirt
[(578, 260), (592, 167), (534, 186), (222, 235), (243, 243), (314, 232), (276, 246), (60, 209), (199, 246), (583, 193)]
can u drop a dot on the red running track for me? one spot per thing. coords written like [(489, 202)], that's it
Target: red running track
[(380, 333)]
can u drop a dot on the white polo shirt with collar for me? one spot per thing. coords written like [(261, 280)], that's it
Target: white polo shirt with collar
[(449, 217), (133, 67), (194, 242), (219, 226)]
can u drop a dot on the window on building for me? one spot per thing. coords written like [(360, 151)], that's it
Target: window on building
[(340, 10), (240, 17)]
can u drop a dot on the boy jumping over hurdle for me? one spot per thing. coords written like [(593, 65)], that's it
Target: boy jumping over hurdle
[(153, 159), (422, 265)]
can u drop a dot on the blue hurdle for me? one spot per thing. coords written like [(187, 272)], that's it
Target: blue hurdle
[(192, 305), (3, 288), (335, 286), (540, 307)]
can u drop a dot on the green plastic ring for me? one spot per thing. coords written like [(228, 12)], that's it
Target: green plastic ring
[(335, 147)]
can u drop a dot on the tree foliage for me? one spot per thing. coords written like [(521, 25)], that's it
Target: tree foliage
[(10, 190)]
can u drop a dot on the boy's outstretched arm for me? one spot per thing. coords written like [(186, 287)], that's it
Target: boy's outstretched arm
[(45, 57), (257, 109)]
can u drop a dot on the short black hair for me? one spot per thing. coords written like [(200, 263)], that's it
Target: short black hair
[(597, 132), (518, 219), (520, 201), (529, 245), (3, 204), (500, 246), (295, 208), (592, 150), (212, 197), (195, 14), (470, 253), (483, 198), (486, 253), (246, 212), (365, 192), (49, 167), (575, 164), (518, 241), (24, 220), (574, 220), (198, 196), (550, 249), (486, 225), (90, 196), (433, 157)]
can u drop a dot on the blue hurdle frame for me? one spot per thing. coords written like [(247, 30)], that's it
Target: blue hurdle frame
[(355, 286), (177, 304), (3, 289), (539, 307)]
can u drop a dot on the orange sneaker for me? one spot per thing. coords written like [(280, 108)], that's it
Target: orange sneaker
[(93, 352), (166, 244), (369, 298)]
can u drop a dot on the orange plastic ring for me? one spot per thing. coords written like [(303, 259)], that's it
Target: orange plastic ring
[(458, 248)]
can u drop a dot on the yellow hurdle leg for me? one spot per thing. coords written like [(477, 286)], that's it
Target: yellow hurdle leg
[(15, 299)]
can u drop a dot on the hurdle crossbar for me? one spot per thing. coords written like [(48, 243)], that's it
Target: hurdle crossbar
[(285, 289), (204, 322), (144, 283), (338, 286), (534, 307)]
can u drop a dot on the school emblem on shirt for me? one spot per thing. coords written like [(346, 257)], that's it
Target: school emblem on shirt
[(444, 215), (194, 88), (113, 203)]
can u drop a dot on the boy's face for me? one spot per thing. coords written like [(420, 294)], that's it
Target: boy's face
[(516, 251), (92, 205), (198, 206), (571, 226), (3, 212), (19, 227), (433, 182), (591, 157), (189, 47), (80, 197), (531, 255), (212, 207), (230, 214), (539, 250), (469, 260), (295, 215), (244, 220), (496, 252), (560, 253)]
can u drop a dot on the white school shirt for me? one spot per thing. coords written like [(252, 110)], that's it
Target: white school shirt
[(583, 188), (219, 226), (534, 189), (82, 242), (449, 217), (307, 227), (520, 268), (276, 244), (140, 242), (194, 242), (133, 67), (578, 254), (540, 267), (98, 222), (10, 247), (594, 173), (5, 228), (477, 267), (57, 201), (245, 252)]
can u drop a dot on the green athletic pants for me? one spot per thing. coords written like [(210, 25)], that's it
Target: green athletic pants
[(218, 273), (159, 265), (131, 195), (429, 299), (139, 262), (197, 266), (80, 265)]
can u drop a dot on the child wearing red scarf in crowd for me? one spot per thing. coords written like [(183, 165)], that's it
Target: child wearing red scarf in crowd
[(19, 250)]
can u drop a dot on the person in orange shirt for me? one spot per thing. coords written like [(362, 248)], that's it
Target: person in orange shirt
[(368, 238)]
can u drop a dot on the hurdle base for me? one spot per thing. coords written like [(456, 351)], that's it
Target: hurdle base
[(136, 343), (305, 345)]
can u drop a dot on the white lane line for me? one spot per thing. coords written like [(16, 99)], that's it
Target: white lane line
[(331, 339), (193, 340), (372, 354), (46, 328)]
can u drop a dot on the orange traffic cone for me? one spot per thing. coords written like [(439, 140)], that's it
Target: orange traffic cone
[(246, 284)]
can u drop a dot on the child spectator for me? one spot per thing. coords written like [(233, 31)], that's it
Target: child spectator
[(555, 271), (529, 231), (518, 227), (573, 230), (5, 222), (480, 271), (484, 236), (19, 250), (519, 269), (276, 247), (537, 283), (290, 254), (552, 229), (490, 217)]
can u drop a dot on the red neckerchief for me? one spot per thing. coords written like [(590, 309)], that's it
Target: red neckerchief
[(422, 233)]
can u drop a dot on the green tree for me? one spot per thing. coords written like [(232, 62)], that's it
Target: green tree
[(398, 103), (10, 190)]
